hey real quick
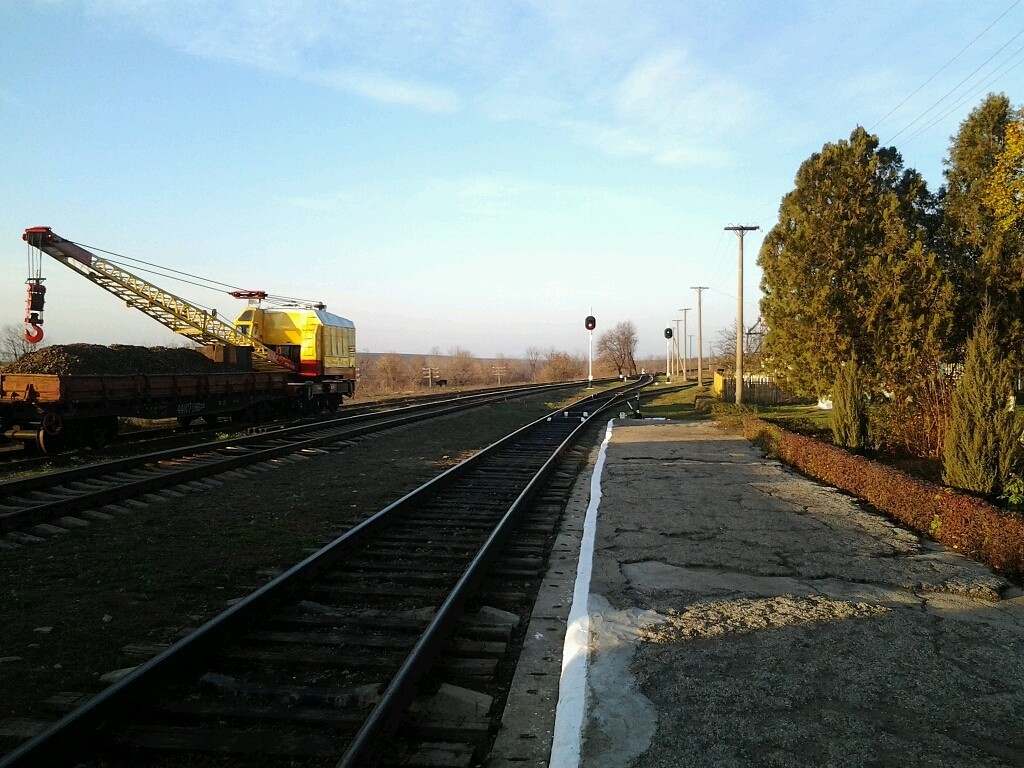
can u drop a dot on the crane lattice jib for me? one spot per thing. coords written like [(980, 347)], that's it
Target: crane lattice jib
[(172, 311)]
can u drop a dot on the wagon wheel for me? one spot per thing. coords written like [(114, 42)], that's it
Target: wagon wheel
[(51, 424), (46, 443)]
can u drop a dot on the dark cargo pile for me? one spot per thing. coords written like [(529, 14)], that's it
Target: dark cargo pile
[(115, 360)]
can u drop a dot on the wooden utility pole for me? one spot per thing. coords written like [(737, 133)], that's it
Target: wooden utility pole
[(740, 231), (700, 338)]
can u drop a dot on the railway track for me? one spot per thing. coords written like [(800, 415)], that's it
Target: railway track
[(16, 460), (375, 650), (35, 507)]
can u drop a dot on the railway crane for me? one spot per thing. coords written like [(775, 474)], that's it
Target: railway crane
[(317, 348)]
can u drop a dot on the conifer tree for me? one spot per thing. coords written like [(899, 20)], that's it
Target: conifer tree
[(849, 409), (849, 270), (981, 448)]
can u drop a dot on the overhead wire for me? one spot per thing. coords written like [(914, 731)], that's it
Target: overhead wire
[(954, 88), (188, 278), (1007, 67), (943, 67)]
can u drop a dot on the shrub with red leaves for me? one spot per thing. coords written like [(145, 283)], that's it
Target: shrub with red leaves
[(963, 522)]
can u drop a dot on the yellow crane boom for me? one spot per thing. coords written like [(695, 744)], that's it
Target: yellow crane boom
[(172, 311)]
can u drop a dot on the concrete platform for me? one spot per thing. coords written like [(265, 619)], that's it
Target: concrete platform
[(710, 607)]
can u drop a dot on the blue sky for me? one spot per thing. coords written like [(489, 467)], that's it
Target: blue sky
[(479, 175)]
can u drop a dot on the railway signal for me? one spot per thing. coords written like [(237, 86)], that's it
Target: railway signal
[(668, 355), (590, 324)]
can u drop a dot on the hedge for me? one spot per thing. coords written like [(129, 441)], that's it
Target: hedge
[(962, 522)]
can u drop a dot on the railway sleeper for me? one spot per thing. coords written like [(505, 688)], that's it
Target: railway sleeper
[(270, 740), (304, 656)]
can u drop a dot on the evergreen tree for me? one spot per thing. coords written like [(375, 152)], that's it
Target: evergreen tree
[(984, 249), (849, 271), (981, 448), (849, 409)]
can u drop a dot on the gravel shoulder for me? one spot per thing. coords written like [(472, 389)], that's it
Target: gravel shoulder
[(742, 615)]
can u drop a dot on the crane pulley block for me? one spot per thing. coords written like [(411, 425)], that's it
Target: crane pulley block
[(34, 301)]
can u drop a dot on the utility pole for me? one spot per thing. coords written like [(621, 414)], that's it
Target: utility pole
[(675, 349), (685, 366), (740, 231), (700, 338)]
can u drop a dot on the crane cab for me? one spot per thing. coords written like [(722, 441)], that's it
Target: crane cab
[(320, 343)]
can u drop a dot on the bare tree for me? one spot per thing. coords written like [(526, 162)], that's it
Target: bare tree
[(618, 347), (392, 373), (13, 344), (561, 366), (533, 357), (726, 345), (385, 374), (461, 367)]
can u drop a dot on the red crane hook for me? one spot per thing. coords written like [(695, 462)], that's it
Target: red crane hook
[(35, 335)]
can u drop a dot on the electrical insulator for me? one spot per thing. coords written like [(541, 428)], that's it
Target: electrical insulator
[(590, 322), (668, 333)]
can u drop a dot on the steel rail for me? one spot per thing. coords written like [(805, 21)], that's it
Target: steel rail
[(67, 738), (28, 484), (401, 691), (163, 477)]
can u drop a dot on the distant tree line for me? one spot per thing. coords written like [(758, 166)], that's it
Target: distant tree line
[(392, 372), (868, 268)]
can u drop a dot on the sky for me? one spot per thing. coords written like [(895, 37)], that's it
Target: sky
[(446, 174)]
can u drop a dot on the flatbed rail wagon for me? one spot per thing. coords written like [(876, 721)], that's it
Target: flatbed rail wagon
[(48, 410)]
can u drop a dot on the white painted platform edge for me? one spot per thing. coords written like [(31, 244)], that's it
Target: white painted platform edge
[(572, 689)]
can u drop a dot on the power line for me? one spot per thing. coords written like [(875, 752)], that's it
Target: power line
[(968, 97), (955, 87), (940, 69)]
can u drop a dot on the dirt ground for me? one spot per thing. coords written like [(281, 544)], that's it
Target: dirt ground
[(68, 606)]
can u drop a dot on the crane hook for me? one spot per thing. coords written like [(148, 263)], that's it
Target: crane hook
[(34, 310)]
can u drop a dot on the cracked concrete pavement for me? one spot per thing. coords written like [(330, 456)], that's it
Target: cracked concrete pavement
[(742, 615)]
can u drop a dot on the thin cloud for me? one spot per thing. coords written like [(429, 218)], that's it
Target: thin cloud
[(392, 90), (605, 76), (286, 38), (672, 151)]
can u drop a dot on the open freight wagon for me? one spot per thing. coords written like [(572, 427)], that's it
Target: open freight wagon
[(50, 411)]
